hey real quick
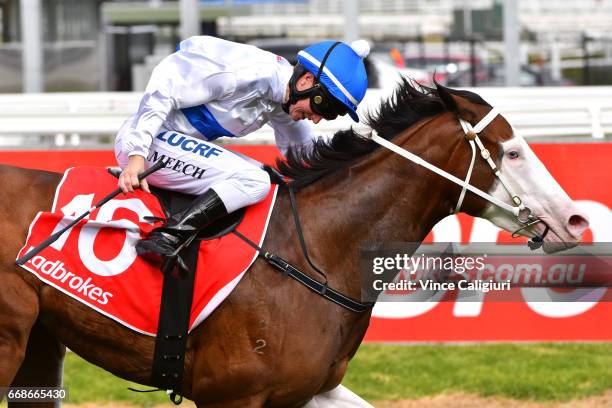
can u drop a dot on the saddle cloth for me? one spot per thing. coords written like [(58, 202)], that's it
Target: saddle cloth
[(96, 263)]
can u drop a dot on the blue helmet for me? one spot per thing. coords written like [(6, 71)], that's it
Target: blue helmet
[(343, 73)]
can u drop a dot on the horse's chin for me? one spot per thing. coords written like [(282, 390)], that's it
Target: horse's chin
[(552, 246), (554, 241)]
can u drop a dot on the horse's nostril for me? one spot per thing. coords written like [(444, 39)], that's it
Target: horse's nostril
[(577, 224)]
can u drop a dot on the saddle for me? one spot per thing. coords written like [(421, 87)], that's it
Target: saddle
[(177, 290)]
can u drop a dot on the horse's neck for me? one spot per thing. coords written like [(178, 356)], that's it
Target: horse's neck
[(388, 209), (343, 211)]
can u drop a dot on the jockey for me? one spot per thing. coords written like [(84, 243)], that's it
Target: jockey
[(211, 88)]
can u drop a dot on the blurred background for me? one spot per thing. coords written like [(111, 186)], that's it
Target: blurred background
[(93, 46), (71, 71)]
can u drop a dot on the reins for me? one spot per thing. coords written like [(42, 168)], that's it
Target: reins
[(519, 210)]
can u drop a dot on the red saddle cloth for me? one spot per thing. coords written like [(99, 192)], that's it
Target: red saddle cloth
[(96, 263)]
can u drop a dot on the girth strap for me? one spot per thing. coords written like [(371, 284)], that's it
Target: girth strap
[(174, 313), (173, 326)]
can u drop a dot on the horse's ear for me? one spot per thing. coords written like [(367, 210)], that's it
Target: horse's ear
[(456, 104)]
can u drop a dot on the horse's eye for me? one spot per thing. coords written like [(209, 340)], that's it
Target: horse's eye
[(513, 154)]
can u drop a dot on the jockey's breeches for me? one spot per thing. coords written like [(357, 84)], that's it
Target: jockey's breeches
[(195, 165)]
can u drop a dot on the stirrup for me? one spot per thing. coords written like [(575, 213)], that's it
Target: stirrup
[(169, 262), (184, 245)]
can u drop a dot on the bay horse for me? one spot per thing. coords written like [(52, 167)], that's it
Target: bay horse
[(272, 342)]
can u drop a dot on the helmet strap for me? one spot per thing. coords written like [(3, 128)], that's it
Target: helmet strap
[(325, 59), (294, 94)]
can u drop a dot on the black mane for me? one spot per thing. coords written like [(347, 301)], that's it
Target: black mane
[(408, 105)]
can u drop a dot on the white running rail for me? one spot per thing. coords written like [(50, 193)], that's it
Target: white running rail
[(92, 119)]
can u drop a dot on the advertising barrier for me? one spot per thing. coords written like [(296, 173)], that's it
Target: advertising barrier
[(583, 170)]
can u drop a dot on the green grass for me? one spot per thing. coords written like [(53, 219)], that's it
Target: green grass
[(540, 372), (88, 383)]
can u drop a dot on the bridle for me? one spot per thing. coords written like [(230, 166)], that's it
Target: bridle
[(522, 213), (519, 210)]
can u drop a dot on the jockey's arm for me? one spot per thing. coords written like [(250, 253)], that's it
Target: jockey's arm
[(180, 80), (183, 79)]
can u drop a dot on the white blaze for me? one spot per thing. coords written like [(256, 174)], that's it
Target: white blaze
[(539, 191)]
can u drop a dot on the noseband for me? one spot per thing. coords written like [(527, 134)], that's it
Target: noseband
[(522, 213)]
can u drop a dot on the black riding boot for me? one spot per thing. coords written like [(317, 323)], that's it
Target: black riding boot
[(165, 240)]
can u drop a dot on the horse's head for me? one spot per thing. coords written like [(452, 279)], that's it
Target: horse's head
[(522, 175), (508, 184)]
